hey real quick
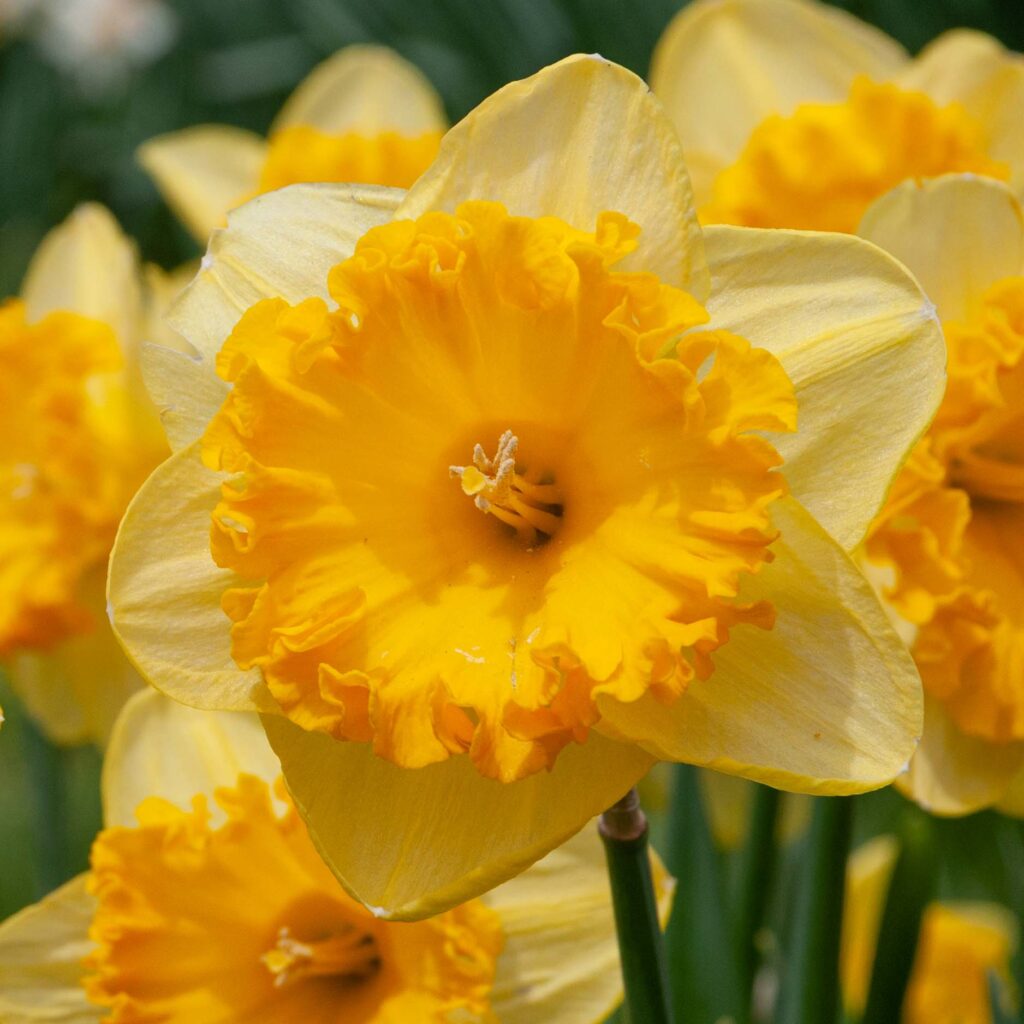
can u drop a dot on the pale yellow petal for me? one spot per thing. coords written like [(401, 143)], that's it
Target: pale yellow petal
[(560, 963), (973, 69), (87, 265), (958, 234), (722, 66), (868, 872), (162, 288), (411, 842), (76, 689), (279, 245), (575, 139), (954, 774), (164, 591), (41, 951), (203, 172), (954, 65), (828, 701), (162, 748), (860, 342), (365, 89), (184, 390)]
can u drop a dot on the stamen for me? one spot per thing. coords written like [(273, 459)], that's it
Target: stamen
[(532, 508), (350, 954)]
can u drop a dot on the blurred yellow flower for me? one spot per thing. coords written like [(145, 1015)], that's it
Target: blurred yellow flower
[(224, 911), (496, 513), (959, 945), (77, 437), (795, 114), (363, 115), (947, 539), (271, 933), (728, 801)]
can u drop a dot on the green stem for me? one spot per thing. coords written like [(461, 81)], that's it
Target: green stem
[(44, 765), (755, 869), (1010, 843), (810, 984), (911, 887), (701, 959), (623, 828)]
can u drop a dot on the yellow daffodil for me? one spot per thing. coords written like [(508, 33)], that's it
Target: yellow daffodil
[(492, 473), (209, 903), (363, 115), (947, 540), (795, 114), (77, 436), (959, 946)]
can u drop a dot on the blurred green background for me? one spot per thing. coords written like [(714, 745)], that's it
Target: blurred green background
[(66, 137)]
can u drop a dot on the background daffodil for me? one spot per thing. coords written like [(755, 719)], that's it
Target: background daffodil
[(961, 944), (798, 115), (78, 434), (363, 115), (212, 904), (947, 538), (474, 652)]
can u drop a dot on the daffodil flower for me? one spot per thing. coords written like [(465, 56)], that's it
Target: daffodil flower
[(795, 114), (947, 541), (363, 115), (77, 436), (960, 944), (476, 492), (206, 901)]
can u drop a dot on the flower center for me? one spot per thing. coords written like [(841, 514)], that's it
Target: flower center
[(989, 476), (349, 954), (821, 167), (532, 508), (266, 930), (416, 624)]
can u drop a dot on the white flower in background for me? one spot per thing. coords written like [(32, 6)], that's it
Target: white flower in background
[(95, 41)]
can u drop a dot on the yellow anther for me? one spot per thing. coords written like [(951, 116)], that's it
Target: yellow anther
[(351, 954), (531, 508)]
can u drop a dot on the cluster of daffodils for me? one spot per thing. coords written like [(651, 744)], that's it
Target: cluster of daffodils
[(608, 427), (925, 158)]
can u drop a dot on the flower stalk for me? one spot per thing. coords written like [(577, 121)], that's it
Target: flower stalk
[(702, 964), (810, 984), (911, 887), (623, 829), (43, 764), (755, 869)]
